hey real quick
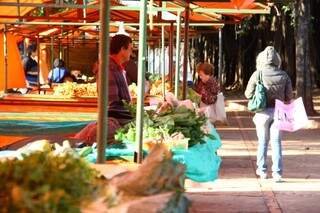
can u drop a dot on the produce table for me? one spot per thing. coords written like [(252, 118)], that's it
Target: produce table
[(50, 103), (202, 163)]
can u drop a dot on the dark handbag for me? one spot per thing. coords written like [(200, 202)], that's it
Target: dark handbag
[(258, 102)]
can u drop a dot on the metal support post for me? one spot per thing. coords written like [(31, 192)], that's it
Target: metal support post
[(177, 69), (102, 129), (141, 77)]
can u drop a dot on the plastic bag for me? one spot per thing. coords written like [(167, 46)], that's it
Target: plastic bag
[(290, 117), (215, 112)]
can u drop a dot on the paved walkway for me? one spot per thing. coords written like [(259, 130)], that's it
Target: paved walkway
[(238, 189)]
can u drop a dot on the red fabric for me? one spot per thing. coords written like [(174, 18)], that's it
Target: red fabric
[(208, 90), (89, 133), (116, 61)]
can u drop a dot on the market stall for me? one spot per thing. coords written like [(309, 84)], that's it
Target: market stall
[(172, 125), (194, 12)]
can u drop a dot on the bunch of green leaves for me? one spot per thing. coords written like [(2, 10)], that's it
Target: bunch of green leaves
[(132, 107), (42, 182), (152, 77), (128, 132), (158, 126), (185, 121), (191, 95)]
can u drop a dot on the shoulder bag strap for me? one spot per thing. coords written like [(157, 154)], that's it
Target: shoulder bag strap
[(259, 77)]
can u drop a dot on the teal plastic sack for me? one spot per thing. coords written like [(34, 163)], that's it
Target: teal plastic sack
[(202, 163), (258, 102)]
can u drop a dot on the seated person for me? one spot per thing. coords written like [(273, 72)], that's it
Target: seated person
[(58, 73), (77, 76), (30, 66)]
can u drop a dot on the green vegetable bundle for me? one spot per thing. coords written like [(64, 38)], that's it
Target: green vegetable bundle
[(185, 121), (191, 95), (43, 182), (158, 126)]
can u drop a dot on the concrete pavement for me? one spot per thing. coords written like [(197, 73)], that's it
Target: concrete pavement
[(238, 189)]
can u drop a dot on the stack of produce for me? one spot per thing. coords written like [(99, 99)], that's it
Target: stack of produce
[(72, 89), (44, 182), (165, 123), (156, 88), (133, 90)]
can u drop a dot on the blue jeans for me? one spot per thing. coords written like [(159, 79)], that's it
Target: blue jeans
[(266, 131)]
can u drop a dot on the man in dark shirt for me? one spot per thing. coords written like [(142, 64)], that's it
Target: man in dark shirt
[(120, 51)]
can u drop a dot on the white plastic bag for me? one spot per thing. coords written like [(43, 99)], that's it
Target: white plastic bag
[(290, 117), (220, 108), (215, 112)]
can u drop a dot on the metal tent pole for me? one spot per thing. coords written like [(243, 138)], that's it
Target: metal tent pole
[(153, 60), (171, 55), (97, 23), (177, 71), (5, 54), (102, 128), (52, 51), (38, 67), (163, 59), (185, 50), (141, 77), (220, 58)]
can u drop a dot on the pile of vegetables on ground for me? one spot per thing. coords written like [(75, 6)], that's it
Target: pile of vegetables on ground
[(50, 178), (44, 182), (169, 122)]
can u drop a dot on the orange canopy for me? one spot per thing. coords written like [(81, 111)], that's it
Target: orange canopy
[(241, 3), (15, 73)]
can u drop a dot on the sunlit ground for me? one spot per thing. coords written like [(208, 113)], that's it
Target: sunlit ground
[(238, 189), (255, 185)]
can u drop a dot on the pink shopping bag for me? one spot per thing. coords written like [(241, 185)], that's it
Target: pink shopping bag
[(290, 117)]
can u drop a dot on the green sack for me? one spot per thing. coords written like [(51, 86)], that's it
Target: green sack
[(258, 102)]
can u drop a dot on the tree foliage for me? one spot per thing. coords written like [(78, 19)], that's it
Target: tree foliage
[(242, 43)]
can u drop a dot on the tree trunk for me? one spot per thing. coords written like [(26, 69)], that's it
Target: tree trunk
[(289, 59), (303, 80), (315, 44)]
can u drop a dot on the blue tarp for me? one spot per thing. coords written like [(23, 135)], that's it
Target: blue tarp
[(201, 161), (27, 128)]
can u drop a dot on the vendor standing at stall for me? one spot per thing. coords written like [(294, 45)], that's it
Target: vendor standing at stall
[(30, 66), (120, 51), (208, 88)]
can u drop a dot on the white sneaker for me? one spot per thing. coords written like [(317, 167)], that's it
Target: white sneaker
[(263, 175), (277, 178)]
